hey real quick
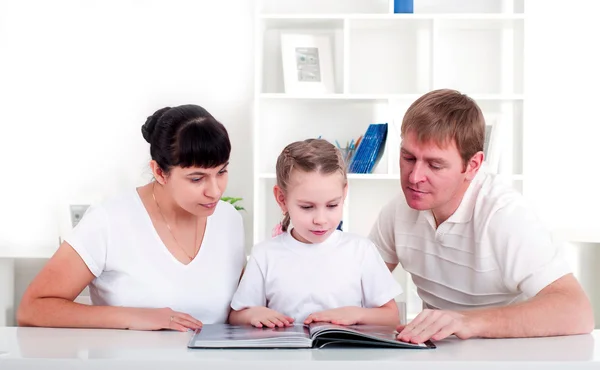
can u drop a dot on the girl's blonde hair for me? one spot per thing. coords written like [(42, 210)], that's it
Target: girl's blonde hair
[(311, 155)]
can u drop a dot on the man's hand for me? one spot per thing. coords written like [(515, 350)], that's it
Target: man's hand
[(435, 325), (338, 316)]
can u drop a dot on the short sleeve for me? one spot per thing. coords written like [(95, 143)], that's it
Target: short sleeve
[(251, 291), (90, 239), (378, 283), (528, 257), (382, 233)]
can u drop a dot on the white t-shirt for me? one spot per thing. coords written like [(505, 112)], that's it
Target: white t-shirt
[(493, 251), (298, 279), (133, 268)]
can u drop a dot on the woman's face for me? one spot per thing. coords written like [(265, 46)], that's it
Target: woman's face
[(197, 190)]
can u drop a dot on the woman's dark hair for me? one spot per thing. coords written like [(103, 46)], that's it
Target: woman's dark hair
[(186, 136)]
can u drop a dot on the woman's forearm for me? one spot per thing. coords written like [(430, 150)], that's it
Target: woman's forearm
[(60, 312)]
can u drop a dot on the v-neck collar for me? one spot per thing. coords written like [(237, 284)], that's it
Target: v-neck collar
[(160, 242)]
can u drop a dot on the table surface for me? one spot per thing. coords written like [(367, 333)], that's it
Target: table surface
[(122, 349)]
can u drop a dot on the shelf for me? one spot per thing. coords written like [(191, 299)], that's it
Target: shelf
[(339, 96), (487, 56), (290, 23), (383, 62), (410, 97), (323, 7), (351, 176), (385, 7), (381, 176), (373, 176), (389, 16)]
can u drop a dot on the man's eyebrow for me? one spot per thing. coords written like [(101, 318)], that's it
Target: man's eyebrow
[(429, 159)]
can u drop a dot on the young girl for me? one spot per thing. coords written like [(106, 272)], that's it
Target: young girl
[(313, 272)]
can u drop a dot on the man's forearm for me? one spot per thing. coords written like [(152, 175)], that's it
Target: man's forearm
[(547, 314)]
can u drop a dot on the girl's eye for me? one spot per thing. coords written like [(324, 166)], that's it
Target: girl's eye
[(332, 205), (197, 179), (222, 172), (306, 207)]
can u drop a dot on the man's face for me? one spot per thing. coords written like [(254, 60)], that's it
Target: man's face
[(433, 177)]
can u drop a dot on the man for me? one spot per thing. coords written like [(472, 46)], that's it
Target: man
[(482, 262)]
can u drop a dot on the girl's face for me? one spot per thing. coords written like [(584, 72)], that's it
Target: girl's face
[(314, 202)]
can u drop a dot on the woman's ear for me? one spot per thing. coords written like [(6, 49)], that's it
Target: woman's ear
[(158, 173), (280, 198)]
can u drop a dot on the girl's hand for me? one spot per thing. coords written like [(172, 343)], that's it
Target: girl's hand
[(263, 316), (161, 318), (338, 316)]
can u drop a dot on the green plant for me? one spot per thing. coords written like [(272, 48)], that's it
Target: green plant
[(233, 201)]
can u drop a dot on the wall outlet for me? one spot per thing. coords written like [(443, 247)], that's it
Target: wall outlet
[(77, 212)]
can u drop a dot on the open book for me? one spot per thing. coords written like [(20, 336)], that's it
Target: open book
[(315, 335)]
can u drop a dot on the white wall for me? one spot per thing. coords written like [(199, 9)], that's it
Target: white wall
[(79, 78), (562, 79)]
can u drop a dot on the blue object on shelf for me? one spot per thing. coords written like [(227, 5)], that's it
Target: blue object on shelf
[(403, 6)]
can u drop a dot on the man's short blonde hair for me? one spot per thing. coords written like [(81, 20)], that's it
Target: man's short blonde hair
[(441, 116)]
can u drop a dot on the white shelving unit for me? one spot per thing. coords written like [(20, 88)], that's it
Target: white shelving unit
[(382, 63)]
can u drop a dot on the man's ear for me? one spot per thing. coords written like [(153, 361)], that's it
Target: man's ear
[(280, 198), (473, 165), (158, 173)]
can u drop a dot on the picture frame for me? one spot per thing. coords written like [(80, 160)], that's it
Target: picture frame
[(307, 62)]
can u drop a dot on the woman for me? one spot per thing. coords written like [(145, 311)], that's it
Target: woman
[(167, 255)]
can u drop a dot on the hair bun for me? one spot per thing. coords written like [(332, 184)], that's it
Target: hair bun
[(150, 124)]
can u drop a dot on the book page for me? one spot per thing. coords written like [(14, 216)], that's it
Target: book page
[(237, 336), (373, 333)]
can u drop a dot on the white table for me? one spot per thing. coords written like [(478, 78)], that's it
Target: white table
[(29, 348)]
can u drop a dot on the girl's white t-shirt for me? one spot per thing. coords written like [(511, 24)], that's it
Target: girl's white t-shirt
[(298, 279), (133, 268)]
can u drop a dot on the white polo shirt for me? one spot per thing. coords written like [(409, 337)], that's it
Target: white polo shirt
[(493, 251)]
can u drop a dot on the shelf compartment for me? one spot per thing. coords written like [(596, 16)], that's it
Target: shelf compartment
[(389, 56), (272, 68), (486, 56), (282, 122)]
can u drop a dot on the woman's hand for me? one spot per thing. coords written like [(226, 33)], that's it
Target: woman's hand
[(161, 318)]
